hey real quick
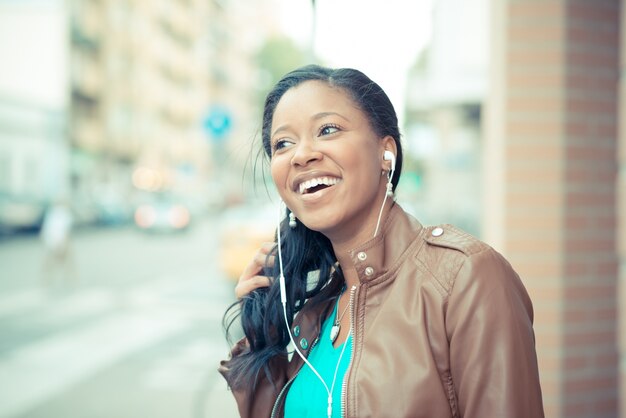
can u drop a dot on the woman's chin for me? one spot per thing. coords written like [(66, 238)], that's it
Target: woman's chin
[(324, 225)]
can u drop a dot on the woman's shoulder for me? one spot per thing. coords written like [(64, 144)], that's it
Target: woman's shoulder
[(450, 237), (449, 250), (441, 237)]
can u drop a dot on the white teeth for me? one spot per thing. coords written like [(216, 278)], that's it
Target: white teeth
[(327, 181)]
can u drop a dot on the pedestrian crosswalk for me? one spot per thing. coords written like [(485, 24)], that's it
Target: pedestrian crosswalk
[(85, 331), (14, 303)]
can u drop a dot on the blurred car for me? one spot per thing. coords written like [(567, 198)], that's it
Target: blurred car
[(242, 231), (112, 213), (162, 213), (20, 213)]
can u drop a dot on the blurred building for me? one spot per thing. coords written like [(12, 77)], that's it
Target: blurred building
[(516, 102), (446, 90), (233, 118), (99, 99), (34, 152), (139, 87), (621, 216)]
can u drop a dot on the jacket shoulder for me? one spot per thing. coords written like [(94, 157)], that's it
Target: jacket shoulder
[(450, 237), (446, 249)]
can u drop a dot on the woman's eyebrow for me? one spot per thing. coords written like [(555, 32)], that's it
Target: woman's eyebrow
[(316, 116), (324, 114), (280, 129)]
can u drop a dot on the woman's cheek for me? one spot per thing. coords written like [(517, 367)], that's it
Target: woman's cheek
[(279, 174)]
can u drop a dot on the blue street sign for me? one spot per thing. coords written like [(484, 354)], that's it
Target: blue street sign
[(217, 123)]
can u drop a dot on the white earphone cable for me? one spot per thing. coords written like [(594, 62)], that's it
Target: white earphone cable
[(283, 300), (380, 214)]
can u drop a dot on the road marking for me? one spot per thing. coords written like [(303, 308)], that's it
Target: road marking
[(45, 369), (18, 302), (56, 306), (80, 304), (121, 322)]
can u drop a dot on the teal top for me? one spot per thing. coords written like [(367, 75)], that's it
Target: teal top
[(307, 396)]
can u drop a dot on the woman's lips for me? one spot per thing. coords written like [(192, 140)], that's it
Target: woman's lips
[(317, 194), (306, 186)]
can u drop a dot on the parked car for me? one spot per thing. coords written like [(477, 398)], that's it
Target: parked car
[(242, 231), (113, 212), (20, 213), (162, 212)]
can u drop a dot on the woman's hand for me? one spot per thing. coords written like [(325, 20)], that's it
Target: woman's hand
[(251, 277)]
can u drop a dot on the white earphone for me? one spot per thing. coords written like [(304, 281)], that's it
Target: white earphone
[(389, 156)]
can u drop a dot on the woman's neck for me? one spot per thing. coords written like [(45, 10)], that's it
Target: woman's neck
[(343, 247)]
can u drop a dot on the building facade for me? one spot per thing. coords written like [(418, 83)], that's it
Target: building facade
[(551, 188), (139, 74), (446, 92), (34, 152)]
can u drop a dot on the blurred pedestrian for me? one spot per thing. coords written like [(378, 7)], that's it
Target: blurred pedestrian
[(58, 264), (388, 318)]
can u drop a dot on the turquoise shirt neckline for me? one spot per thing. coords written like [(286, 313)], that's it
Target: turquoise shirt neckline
[(307, 397)]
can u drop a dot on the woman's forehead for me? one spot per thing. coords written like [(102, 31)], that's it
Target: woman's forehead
[(313, 97), (316, 88)]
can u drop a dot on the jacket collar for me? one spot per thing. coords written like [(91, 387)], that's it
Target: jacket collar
[(381, 254)]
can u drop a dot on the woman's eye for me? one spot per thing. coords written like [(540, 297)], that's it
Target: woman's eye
[(280, 144), (328, 129)]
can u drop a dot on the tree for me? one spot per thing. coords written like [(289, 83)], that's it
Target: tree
[(275, 58)]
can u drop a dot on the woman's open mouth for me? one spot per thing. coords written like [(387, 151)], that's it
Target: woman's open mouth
[(316, 184)]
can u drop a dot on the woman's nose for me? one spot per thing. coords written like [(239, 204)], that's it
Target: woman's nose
[(306, 153)]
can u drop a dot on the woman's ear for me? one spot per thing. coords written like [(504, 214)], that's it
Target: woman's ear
[(388, 145)]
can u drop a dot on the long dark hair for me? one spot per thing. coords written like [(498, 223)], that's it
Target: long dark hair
[(304, 251)]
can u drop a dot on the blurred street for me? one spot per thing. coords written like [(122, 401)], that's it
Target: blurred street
[(137, 333)]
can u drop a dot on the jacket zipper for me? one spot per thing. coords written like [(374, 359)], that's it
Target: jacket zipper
[(275, 407), (289, 382), (344, 385)]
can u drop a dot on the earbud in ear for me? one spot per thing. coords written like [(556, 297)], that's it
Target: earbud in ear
[(388, 156)]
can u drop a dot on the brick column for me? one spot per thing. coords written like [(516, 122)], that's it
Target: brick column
[(621, 195), (550, 187)]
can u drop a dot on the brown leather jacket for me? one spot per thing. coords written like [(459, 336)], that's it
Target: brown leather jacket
[(442, 328)]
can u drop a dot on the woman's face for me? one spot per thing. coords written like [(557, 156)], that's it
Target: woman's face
[(327, 160)]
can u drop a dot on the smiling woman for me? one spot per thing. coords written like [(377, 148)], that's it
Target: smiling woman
[(388, 318), (321, 157)]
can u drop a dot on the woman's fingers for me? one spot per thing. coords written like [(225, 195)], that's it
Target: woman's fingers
[(252, 277), (258, 262), (243, 288), (266, 248)]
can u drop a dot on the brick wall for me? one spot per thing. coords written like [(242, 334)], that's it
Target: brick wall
[(552, 120), (590, 306), (621, 195)]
